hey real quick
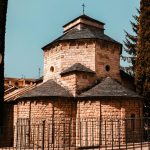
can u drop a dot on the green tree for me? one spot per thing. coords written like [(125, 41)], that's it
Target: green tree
[(142, 70), (130, 43)]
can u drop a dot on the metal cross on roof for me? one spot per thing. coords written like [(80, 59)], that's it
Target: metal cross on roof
[(83, 7)]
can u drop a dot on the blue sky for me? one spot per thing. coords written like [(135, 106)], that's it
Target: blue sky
[(31, 24)]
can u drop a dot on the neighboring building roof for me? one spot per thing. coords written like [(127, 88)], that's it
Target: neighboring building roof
[(12, 96), (9, 89), (77, 68), (85, 33), (26, 79), (13, 91), (47, 89), (108, 87), (84, 17)]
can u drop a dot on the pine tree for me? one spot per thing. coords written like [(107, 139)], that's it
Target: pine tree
[(130, 43), (142, 70)]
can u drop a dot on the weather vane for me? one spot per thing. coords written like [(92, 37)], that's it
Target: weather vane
[(83, 8)]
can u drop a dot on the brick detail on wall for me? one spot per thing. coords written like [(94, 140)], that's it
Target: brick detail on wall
[(53, 111), (66, 54), (107, 53), (75, 82), (87, 117), (69, 82), (84, 80), (90, 53), (106, 112)]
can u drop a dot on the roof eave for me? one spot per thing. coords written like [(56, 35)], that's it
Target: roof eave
[(40, 97), (112, 97), (57, 41), (76, 71)]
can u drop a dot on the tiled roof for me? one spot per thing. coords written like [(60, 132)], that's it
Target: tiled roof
[(87, 33), (47, 89), (9, 89), (17, 93), (84, 33), (108, 87), (77, 68)]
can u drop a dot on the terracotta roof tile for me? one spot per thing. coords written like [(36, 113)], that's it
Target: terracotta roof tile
[(17, 93)]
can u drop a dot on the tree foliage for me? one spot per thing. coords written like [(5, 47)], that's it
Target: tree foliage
[(130, 43), (142, 70)]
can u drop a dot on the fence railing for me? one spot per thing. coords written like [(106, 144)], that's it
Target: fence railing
[(82, 133)]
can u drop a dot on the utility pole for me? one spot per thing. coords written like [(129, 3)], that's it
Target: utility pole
[(39, 72)]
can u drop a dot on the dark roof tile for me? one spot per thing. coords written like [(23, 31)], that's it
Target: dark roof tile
[(77, 68), (108, 87), (84, 33), (47, 89)]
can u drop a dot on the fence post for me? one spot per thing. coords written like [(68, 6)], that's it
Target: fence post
[(43, 125), (112, 134), (16, 140)]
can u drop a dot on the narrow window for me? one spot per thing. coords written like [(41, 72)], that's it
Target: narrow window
[(107, 68), (16, 84), (53, 132), (133, 122), (52, 69)]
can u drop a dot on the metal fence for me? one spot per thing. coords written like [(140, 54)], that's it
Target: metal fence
[(82, 133)]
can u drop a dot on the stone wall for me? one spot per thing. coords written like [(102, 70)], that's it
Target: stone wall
[(52, 63), (107, 53), (104, 119), (87, 121), (44, 110), (69, 82), (78, 52), (75, 82), (94, 55), (84, 80), (55, 112), (66, 54)]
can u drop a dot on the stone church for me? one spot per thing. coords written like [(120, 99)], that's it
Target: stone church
[(82, 84)]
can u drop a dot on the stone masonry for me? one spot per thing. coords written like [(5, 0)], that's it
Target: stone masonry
[(84, 99)]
